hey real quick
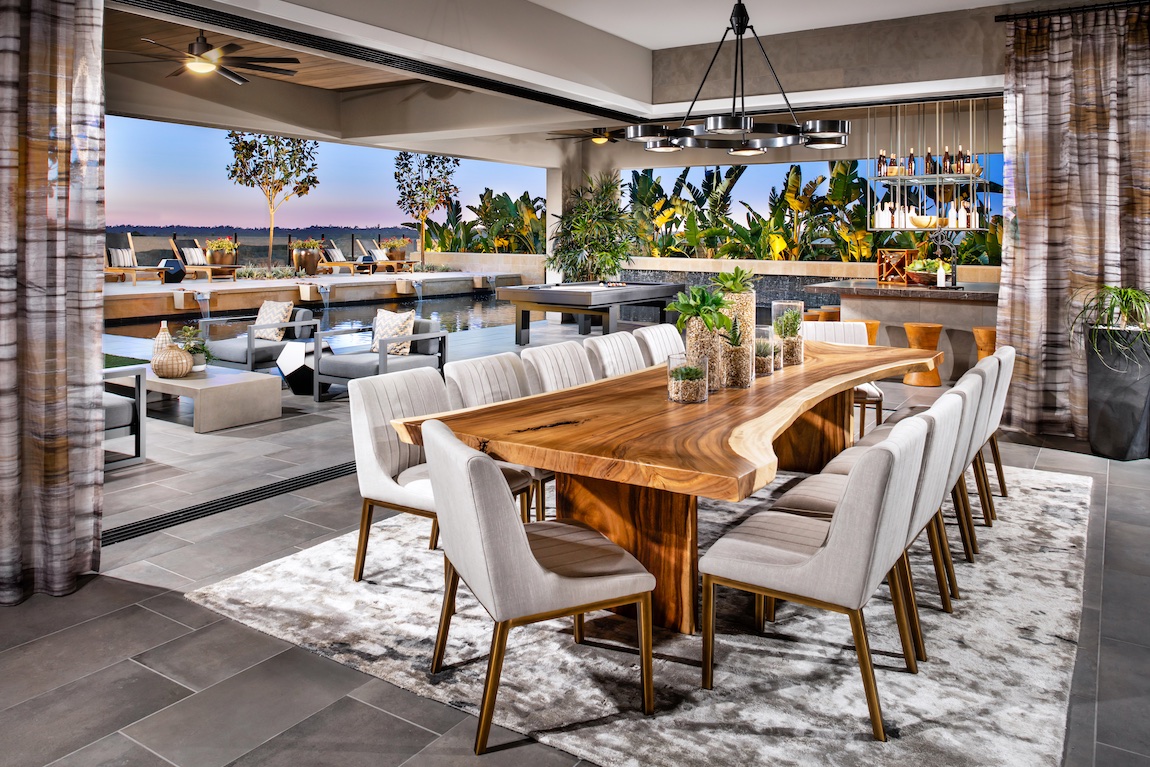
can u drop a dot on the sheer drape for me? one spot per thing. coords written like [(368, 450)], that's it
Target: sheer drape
[(51, 305), (1075, 139)]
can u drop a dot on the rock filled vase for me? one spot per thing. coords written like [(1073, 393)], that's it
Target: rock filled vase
[(704, 342)]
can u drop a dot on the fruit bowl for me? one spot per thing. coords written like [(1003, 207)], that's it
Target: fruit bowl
[(922, 278), (924, 222)]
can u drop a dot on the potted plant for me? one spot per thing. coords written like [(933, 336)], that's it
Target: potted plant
[(788, 329), (305, 255), (396, 247), (221, 252), (738, 287), (190, 339), (1114, 326), (701, 313), (596, 232)]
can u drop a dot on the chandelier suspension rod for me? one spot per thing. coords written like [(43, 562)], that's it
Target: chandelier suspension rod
[(687, 116), (775, 75)]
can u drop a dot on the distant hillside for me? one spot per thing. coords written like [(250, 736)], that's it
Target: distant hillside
[(250, 235)]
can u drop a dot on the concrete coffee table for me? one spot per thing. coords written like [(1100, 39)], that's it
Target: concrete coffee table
[(223, 397)]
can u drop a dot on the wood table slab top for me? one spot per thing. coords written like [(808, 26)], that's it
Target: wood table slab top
[(625, 430)]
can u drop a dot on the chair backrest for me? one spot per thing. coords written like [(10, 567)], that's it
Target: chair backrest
[(480, 528), (375, 401), (942, 420), (614, 354), (300, 314), (969, 389), (119, 250), (853, 333), (987, 370), (485, 380), (868, 529), (557, 366), (1005, 355), (658, 342), (188, 250)]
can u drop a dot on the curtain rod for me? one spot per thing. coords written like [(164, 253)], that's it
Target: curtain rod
[(1071, 9)]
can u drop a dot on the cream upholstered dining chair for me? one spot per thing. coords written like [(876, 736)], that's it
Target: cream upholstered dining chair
[(614, 354), (523, 573), (557, 366), (391, 473), (834, 564), (854, 334), (1006, 356), (658, 342), (485, 381)]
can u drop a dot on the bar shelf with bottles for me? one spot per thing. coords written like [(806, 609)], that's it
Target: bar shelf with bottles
[(930, 192)]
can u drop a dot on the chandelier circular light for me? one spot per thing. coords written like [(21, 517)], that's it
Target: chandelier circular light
[(738, 132)]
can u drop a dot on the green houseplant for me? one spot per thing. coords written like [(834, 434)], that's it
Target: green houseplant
[(190, 339), (1113, 324), (701, 314), (596, 232), (788, 328)]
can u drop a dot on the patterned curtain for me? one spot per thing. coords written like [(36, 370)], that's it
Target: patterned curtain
[(51, 305), (1077, 147)]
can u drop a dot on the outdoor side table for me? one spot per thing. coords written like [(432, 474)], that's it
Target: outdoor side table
[(297, 366)]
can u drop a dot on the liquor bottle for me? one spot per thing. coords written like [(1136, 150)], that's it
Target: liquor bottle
[(892, 166), (928, 166), (967, 165), (881, 168), (946, 160), (958, 161), (910, 163)]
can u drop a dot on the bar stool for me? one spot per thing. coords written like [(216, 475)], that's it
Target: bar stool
[(811, 315), (872, 327), (923, 335), (986, 339), (830, 313)]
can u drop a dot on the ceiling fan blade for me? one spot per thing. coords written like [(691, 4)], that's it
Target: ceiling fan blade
[(230, 75), (178, 70), (236, 61), (215, 54), (183, 54), (270, 70)]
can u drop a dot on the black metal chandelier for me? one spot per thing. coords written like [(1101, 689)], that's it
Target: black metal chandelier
[(738, 132)]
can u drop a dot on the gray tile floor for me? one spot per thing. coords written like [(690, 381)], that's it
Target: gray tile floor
[(126, 672)]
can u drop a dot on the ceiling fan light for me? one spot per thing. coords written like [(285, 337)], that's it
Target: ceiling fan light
[(835, 142), (599, 140), (826, 128), (662, 145), (644, 133), (729, 124), (201, 67)]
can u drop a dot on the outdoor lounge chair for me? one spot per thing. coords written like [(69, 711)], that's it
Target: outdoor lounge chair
[(124, 415), (332, 260), (120, 259), (247, 352), (195, 262), (376, 259), (428, 349), (403, 264)]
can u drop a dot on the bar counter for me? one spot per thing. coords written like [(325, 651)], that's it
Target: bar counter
[(958, 311)]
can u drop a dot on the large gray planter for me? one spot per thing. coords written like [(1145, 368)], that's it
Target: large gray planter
[(1118, 392)]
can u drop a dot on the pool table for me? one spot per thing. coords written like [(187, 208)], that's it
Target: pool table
[(585, 300)]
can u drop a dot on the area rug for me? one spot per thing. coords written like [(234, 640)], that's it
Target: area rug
[(994, 691)]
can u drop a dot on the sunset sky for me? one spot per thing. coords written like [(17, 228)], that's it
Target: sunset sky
[(163, 173)]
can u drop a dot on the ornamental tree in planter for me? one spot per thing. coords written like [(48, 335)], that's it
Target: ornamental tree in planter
[(425, 183), (1114, 326)]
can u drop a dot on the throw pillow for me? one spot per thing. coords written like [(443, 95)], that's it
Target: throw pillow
[(379, 255), (272, 312), (194, 257), (389, 324), (121, 257), (335, 254)]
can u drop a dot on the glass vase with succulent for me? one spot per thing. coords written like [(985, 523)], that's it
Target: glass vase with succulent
[(686, 378), (701, 314), (738, 357), (788, 328), (767, 356), (191, 339)]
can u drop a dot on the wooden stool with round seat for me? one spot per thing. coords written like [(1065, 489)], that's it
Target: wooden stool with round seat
[(830, 313), (923, 335), (872, 327), (986, 339), (811, 315)]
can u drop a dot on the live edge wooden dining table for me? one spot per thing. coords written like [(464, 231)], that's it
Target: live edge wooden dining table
[(632, 464)]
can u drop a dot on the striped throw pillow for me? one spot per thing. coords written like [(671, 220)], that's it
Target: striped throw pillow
[(272, 312), (389, 324), (121, 257), (194, 257)]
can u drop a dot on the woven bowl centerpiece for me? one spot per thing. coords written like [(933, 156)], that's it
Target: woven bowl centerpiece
[(172, 362)]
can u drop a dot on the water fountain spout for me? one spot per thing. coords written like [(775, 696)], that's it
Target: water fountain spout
[(204, 299), (325, 294), (418, 285)]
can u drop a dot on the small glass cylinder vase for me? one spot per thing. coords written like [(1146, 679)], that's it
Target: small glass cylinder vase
[(687, 378), (787, 319), (739, 364), (765, 350)]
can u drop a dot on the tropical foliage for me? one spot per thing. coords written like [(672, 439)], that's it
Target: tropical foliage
[(595, 235), (425, 183), (501, 224)]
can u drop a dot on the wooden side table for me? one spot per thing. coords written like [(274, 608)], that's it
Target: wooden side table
[(986, 339), (923, 335)]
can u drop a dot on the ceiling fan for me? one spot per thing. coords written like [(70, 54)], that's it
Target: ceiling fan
[(203, 59), (594, 135)]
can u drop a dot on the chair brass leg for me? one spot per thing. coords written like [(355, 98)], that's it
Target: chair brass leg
[(947, 559), (540, 501), (450, 587), (760, 612), (433, 543), (956, 499), (364, 532), (939, 568), (912, 607), (878, 413), (491, 685), (862, 420), (577, 628), (770, 611), (525, 506), (968, 513), (982, 481), (900, 614), (708, 631), (646, 654), (996, 454), (862, 648)]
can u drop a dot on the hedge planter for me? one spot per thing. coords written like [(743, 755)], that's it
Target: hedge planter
[(1118, 391)]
